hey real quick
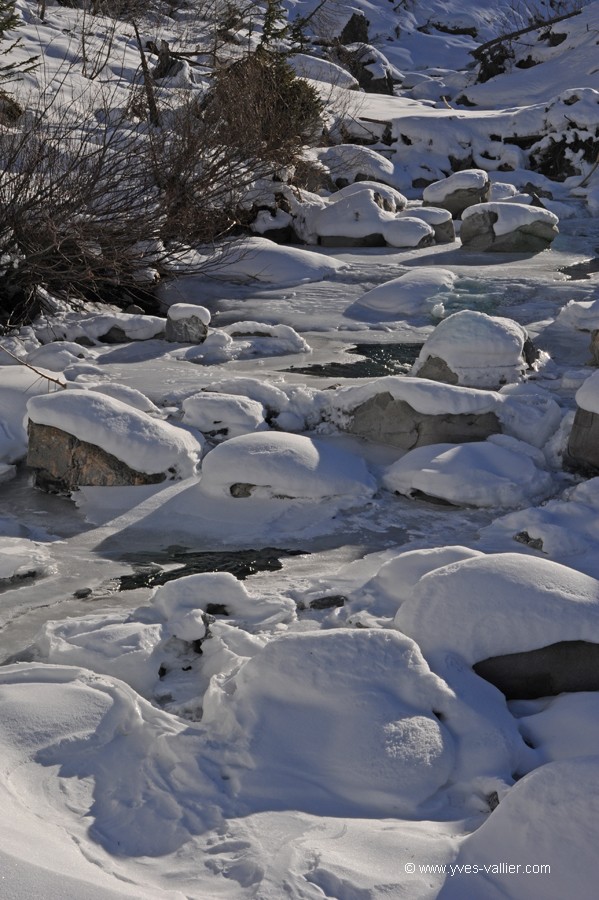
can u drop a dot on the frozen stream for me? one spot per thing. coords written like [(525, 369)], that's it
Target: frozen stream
[(88, 560)]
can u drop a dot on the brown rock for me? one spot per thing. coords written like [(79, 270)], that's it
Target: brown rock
[(62, 462)]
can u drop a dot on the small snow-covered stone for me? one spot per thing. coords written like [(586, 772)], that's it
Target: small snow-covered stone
[(440, 221), (221, 416), (186, 323)]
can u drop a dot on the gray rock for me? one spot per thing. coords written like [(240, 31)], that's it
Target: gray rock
[(594, 347), (61, 462), (190, 330), (436, 369), (567, 666), (477, 234), (388, 421), (583, 444)]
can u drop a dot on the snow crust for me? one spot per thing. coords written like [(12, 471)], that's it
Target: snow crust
[(413, 293)]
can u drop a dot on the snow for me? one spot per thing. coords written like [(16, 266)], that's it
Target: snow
[(547, 863), (500, 472), (311, 730), (142, 442)]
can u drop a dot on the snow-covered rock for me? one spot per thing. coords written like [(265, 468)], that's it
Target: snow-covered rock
[(505, 227), (500, 472), (440, 221), (220, 416), (311, 710), (359, 219), (277, 464), (458, 191), (85, 437), (475, 350), (583, 444), (186, 323), (497, 604)]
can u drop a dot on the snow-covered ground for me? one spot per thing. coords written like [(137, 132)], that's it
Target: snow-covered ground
[(313, 726)]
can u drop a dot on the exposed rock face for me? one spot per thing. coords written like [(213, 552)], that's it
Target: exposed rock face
[(567, 666), (477, 233), (189, 330), (594, 346), (388, 421), (436, 369), (583, 445), (62, 462)]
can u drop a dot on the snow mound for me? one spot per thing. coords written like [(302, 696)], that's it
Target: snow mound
[(550, 729), (481, 350), (394, 582), (144, 443), (414, 293), (221, 416), (562, 528), (287, 466), (257, 259), (497, 604), (393, 200), (580, 314), (546, 828), (313, 710), (500, 471), (350, 162)]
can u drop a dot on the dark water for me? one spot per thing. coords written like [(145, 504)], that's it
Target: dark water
[(378, 360), (241, 563)]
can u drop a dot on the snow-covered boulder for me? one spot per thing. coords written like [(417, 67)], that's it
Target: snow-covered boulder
[(417, 292), (583, 444), (440, 221), (504, 227), (476, 350), (288, 466), (409, 412), (397, 414), (359, 219), (389, 198), (499, 472), (79, 437), (186, 323), (220, 416), (350, 162), (458, 191), (499, 604)]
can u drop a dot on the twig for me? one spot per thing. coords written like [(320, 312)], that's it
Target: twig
[(33, 369)]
